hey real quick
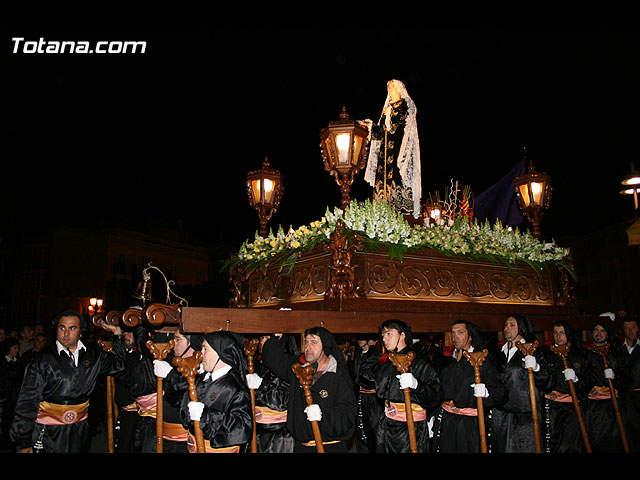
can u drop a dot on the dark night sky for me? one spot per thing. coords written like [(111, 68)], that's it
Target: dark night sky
[(173, 132)]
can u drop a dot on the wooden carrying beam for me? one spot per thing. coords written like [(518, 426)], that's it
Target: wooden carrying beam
[(266, 320)]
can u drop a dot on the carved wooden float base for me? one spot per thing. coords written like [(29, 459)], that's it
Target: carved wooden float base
[(425, 276), (427, 288)]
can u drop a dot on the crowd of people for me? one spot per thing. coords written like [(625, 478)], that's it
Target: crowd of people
[(392, 392)]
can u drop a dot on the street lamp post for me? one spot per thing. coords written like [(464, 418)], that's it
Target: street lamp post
[(343, 147), (632, 186), (533, 192), (96, 305), (264, 188)]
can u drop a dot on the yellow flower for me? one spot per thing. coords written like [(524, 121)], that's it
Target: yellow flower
[(295, 244)]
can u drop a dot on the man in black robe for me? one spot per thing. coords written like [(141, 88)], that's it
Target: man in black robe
[(224, 402), (421, 380), (175, 436), (125, 427), (630, 397), (600, 416), (512, 423), (455, 428), (334, 402), (272, 401), (561, 430), (370, 407), (142, 385), (52, 410)]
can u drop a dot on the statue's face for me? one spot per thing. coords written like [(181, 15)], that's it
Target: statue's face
[(393, 90)]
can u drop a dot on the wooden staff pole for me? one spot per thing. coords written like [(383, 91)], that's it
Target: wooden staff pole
[(563, 351), (476, 359), (99, 320), (114, 406), (250, 347), (159, 352), (402, 364), (305, 375), (529, 349), (188, 367), (603, 351)]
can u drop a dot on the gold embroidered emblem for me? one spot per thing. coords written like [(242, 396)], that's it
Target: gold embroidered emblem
[(323, 394)]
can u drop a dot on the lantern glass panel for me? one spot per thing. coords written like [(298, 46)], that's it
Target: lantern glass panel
[(343, 141), (357, 148), (255, 190), (268, 190), (524, 193), (536, 192)]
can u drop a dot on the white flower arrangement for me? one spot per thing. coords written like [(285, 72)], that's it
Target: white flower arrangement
[(381, 226)]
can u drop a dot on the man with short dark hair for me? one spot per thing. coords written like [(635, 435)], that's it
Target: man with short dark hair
[(334, 402), (600, 415), (512, 424), (456, 427), (562, 424), (422, 382), (630, 398), (51, 414)]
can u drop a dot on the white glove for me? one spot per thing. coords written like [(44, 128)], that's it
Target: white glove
[(253, 381), (314, 414), (530, 362), (480, 390), (161, 368), (608, 373), (407, 380), (570, 374), (195, 410)]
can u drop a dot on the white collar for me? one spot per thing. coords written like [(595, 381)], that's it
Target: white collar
[(455, 351), (79, 347), (221, 372), (505, 347), (73, 355), (332, 365), (631, 347)]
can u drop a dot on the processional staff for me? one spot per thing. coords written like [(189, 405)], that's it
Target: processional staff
[(188, 367), (305, 376), (476, 359), (562, 351), (528, 349), (99, 319), (250, 347), (159, 352), (603, 351), (402, 364), (107, 347)]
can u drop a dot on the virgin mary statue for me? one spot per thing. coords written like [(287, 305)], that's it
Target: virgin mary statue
[(393, 165)]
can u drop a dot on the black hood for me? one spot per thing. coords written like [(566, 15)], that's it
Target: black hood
[(229, 347)]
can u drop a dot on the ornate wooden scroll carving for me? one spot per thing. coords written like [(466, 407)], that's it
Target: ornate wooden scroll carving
[(132, 317), (425, 276), (159, 314), (432, 279)]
